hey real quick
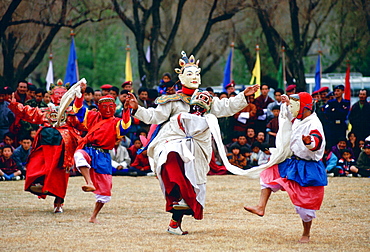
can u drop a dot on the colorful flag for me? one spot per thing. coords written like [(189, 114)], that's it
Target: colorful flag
[(318, 74), (50, 74), (72, 67), (256, 73), (347, 86), (128, 68), (228, 70)]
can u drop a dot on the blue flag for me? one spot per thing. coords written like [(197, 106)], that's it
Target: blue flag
[(71, 69), (227, 71), (318, 75)]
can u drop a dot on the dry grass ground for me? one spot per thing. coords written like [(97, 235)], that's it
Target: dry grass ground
[(135, 219)]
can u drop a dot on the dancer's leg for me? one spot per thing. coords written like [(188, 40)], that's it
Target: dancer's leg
[(98, 207), (260, 208)]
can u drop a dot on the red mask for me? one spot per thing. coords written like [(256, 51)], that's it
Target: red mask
[(57, 95), (107, 109)]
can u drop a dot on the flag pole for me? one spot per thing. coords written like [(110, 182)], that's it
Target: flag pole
[(50, 73), (232, 59), (128, 69), (283, 59)]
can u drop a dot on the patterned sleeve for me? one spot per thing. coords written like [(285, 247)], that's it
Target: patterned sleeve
[(316, 140)]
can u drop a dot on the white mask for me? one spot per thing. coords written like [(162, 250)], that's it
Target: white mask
[(294, 107), (190, 78)]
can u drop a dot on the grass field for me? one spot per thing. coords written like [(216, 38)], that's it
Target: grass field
[(135, 219)]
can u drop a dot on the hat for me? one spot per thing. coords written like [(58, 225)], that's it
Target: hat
[(264, 147), (126, 83), (341, 87), (329, 94), (275, 107), (290, 88), (106, 98), (106, 86), (367, 145), (323, 89), (315, 92), (231, 84)]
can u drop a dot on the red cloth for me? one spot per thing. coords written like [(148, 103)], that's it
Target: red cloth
[(309, 197), (216, 169), (44, 162), (177, 185), (102, 183), (141, 162)]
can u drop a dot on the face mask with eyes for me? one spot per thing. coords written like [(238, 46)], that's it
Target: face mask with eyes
[(200, 102), (294, 105), (299, 102)]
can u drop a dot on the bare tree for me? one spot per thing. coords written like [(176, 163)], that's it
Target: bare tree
[(27, 29), (145, 20)]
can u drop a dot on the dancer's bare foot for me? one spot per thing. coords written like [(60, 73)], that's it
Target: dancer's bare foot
[(255, 210), (94, 220), (304, 239), (88, 188)]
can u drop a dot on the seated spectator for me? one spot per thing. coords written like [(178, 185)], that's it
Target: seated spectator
[(362, 167), (361, 144), (251, 137), (330, 162), (235, 157), (166, 78), (345, 162), (8, 167), (352, 143), (261, 137), (31, 90), (247, 152), (265, 154), (120, 159), (273, 126), (21, 153), (132, 151), (256, 153), (141, 166), (8, 140), (341, 145), (126, 142), (234, 139)]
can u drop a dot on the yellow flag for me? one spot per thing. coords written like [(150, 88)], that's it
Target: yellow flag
[(256, 73), (128, 65)]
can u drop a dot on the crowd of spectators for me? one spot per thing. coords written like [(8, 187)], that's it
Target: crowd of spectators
[(247, 136)]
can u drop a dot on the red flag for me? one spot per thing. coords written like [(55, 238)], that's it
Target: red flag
[(347, 89)]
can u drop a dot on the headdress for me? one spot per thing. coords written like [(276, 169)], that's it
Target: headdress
[(305, 101), (107, 98), (186, 62), (59, 85)]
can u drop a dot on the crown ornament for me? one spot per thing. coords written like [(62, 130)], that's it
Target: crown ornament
[(58, 85), (186, 62)]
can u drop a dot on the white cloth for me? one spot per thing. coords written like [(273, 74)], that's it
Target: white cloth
[(120, 156), (80, 161)]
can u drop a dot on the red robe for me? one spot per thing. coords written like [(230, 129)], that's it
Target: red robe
[(49, 164)]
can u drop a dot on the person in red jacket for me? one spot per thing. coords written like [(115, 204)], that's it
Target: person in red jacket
[(141, 164), (92, 157)]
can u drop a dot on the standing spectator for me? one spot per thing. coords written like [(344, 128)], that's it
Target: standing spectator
[(97, 95), (363, 163), (143, 102), (260, 137), (21, 153), (291, 89), (127, 85), (230, 88), (262, 102), (359, 111), (273, 126), (31, 92), (89, 99), (166, 77), (8, 168), (20, 94), (37, 101), (114, 92), (6, 115), (47, 99), (105, 89), (336, 111), (319, 108), (251, 136), (277, 93)]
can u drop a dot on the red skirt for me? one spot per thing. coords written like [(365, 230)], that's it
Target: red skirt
[(178, 186)]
